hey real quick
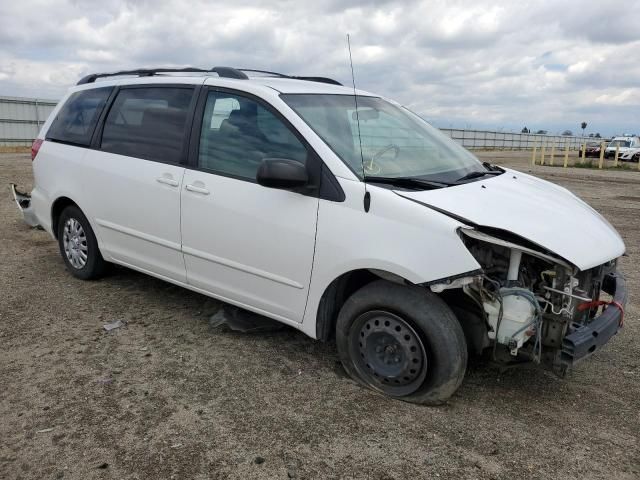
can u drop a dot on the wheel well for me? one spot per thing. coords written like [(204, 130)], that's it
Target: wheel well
[(58, 206), (470, 315), (337, 293)]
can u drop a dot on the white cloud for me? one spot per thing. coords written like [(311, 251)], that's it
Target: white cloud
[(544, 64)]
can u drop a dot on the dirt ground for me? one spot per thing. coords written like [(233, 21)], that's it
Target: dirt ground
[(168, 397)]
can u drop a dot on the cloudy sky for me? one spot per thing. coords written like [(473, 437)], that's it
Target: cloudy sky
[(547, 64)]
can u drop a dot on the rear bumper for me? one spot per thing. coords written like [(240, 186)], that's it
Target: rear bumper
[(583, 340), (23, 200)]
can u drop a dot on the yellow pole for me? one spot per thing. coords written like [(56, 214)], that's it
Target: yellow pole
[(584, 151), (602, 147), (615, 162), (542, 154), (566, 153), (533, 155), (553, 153)]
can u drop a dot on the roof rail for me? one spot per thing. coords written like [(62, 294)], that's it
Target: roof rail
[(226, 72), (282, 75), (318, 79)]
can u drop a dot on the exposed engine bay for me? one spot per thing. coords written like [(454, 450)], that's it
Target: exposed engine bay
[(529, 299)]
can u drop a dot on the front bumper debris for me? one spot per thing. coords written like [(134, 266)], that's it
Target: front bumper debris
[(23, 200), (583, 340)]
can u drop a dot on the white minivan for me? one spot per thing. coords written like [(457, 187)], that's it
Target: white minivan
[(623, 145), (334, 211)]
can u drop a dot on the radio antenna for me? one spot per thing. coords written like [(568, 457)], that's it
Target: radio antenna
[(367, 197)]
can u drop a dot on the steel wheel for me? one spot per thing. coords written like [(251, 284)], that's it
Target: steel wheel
[(74, 240), (388, 352)]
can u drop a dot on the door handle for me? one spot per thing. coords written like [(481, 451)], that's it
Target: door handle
[(168, 181), (193, 188)]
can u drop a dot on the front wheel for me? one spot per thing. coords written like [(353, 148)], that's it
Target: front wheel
[(402, 341), (78, 245)]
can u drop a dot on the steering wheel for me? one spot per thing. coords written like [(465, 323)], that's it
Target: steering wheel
[(372, 167)]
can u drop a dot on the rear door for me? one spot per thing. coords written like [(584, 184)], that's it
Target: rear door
[(243, 242), (135, 174)]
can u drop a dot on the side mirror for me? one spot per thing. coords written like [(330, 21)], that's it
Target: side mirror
[(282, 173)]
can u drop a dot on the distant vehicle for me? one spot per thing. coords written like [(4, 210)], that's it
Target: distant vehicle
[(623, 144), (593, 149), (631, 155), (250, 189)]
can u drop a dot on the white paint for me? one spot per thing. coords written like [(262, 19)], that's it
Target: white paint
[(536, 210), (275, 252)]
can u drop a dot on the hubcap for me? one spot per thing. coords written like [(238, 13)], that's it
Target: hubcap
[(388, 352), (74, 241)]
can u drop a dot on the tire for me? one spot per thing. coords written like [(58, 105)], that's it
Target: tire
[(78, 245), (402, 341)]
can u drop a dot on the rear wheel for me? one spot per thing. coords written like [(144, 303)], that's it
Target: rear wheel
[(402, 341), (78, 245)]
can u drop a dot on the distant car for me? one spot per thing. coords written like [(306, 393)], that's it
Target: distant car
[(632, 155), (623, 144), (593, 149)]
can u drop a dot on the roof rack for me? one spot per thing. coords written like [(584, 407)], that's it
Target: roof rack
[(225, 72), (296, 77)]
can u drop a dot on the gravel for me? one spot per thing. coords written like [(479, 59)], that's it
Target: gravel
[(165, 396)]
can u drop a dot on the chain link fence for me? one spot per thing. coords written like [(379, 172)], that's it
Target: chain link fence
[(492, 140), (22, 118)]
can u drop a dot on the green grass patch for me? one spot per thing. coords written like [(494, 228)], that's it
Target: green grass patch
[(593, 164)]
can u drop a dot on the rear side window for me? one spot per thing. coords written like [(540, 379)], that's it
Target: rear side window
[(77, 119), (148, 123)]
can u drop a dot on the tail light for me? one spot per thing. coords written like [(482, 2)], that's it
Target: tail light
[(35, 148)]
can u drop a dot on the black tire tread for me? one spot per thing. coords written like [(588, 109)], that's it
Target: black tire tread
[(442, 334)]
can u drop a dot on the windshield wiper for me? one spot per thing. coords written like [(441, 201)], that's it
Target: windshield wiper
[(477, 174), (408, 182)]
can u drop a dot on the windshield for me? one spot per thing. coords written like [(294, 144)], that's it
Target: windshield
[(395, 142), (620, 143)]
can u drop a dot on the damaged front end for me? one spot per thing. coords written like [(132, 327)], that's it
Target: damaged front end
[(23, 200), (535, 306)]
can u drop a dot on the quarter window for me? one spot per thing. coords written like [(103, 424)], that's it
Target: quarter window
[(148, 123), (238, 133), (77, 119)]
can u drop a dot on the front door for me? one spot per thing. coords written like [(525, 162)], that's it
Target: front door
[(242, 242)]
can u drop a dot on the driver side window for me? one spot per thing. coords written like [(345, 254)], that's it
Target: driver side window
[(238, 133)]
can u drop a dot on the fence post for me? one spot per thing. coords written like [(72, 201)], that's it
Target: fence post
[(542, 151), (602, 147), (615, 162), (533, 155), (584, 151), (553, 153), (566, 153)]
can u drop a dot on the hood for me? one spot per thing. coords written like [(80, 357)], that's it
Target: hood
[(542, 212)]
